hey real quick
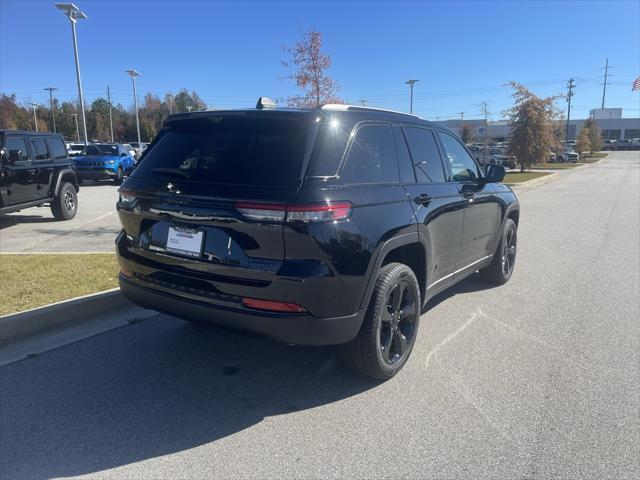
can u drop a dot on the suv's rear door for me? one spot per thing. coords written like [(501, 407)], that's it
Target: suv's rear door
[(437, 202), (42, 166), (205, 170), (482, 212)]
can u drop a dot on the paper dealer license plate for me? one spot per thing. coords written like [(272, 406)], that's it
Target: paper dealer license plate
[(185, 241)]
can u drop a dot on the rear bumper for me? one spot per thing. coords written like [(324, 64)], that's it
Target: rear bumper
[(301, 329)]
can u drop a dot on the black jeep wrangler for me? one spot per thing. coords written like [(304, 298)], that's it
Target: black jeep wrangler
[(317, 227), (36, 170)]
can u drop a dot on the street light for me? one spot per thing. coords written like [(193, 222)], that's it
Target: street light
[(133, 74), (74, 14), (411, 83), (35, 117)]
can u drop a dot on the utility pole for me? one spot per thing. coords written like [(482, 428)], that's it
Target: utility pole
[(486, 131), (110, 117), (75, 115), (53, 112), (363, 102), (35, 116), (569, 95), (461, 122), (606, 75), (411, 83)]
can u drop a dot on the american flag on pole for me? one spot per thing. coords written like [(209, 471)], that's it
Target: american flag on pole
[(636, 85)]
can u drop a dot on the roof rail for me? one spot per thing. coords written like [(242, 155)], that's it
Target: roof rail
[(344, 107)]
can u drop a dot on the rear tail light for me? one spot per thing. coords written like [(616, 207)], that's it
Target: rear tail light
[(272, 306), (312, 213)]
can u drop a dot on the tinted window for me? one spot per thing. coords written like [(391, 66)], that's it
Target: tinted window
[(329, 148), (17, 143), (230, 149), (39, 150), (405, 163), (463, 168), (57, 148), (371, 157), (425, 154)]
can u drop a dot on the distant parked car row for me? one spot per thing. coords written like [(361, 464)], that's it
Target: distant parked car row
[(624, 144), (134, 148)]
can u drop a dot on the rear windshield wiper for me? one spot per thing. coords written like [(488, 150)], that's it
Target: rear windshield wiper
[(170, 171)]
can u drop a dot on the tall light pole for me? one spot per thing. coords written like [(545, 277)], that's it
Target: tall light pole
[(74, 14), (411, 83), (53, 112), (170, 99), (35, 117), (75, 115), (133, 74)]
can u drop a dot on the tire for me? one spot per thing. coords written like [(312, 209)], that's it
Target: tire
[(501, 267), (119, 176), (65, 204), (389, 330)]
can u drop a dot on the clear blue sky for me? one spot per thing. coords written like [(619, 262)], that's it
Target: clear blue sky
[(462, 52)]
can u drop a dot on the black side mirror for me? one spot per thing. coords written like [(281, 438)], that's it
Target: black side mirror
[(494, 173), (14, 156)]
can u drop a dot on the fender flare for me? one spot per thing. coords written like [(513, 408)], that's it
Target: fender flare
[(512, 207), (383, 250), (62, 173)]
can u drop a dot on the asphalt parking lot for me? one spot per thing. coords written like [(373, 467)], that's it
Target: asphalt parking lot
[(93, 229), (539, 378)]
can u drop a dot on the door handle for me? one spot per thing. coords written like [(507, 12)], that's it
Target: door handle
[(423, 199)]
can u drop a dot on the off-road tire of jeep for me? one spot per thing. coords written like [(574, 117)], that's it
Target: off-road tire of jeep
[(119, 176), (65, 204), (500, 269), (365, 353)]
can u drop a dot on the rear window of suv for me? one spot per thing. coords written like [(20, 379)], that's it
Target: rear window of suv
[(264, 151)]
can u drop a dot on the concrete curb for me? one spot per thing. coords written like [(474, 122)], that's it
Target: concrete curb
[(21, 325), (535, 181)]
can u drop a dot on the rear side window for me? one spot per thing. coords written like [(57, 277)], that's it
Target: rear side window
[(57, 148), (371, 157), (405, 163), (425, 154), (39, 150), (463, 167), (17, 143), (266, 151)]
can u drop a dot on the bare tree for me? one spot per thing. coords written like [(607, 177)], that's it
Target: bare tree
[(309, 65)]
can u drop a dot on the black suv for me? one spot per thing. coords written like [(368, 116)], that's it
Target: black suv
[(36, 170), (315, 227)]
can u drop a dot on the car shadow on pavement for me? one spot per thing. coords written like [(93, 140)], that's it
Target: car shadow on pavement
[(473, 283), (154, 388), (11, 220)]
